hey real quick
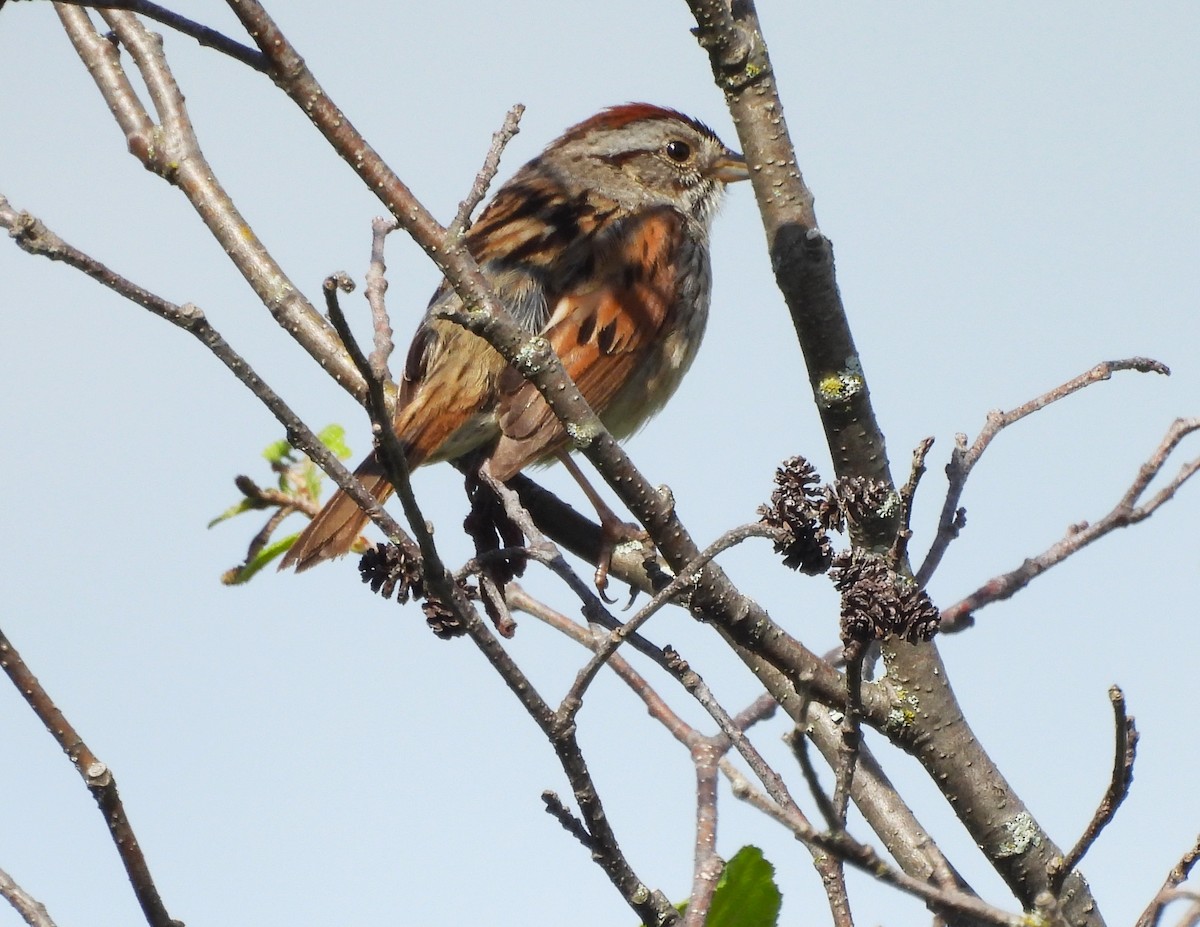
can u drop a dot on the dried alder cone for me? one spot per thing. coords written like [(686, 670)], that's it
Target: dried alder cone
[(600, 244), (877, 602), (805, 511)]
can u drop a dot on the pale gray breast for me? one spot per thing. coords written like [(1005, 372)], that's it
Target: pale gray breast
[(660, 373)]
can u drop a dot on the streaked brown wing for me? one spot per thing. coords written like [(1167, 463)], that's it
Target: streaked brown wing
[(602, 329)]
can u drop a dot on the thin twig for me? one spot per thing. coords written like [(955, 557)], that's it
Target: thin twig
[(799, 745), (833, 872), (656, 707), (171, 150), (31, 910), (865, 858), (97, 777), (32, 235), (855, 653), (833, 880), (204, 35), (571, 824), (733, 731), (699, 690), (949, 896), (462, 219), (1126, 512), (761, 709), (899, 552), (707, 865), (268, 497), (652, 906), (377, 284), (909, 843), (391, 452), (1177, 876), (1124, 753), (963, 458), (686, 577)]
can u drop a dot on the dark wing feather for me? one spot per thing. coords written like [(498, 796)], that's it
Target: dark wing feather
[(603, 328)]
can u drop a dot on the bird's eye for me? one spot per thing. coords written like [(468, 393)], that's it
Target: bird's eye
[(678, 151)]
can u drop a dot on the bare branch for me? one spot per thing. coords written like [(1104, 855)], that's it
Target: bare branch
[(31, 234), (571, 824), (656, 707), (801, 255), (799, 744), (1124, 752), (391, 452), (97, 777), (377, 285), (1127, 512), (170, 149), (652, 906), (833, 880), (879, 803), (957, 905), (1176, 877), (483, 180), (686, 577), (899, 553), (204, 35), (947, 894), (31, 910), (707, 865), (856, 652), (963, 459)]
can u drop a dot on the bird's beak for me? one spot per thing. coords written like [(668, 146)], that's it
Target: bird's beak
[(730, 168)]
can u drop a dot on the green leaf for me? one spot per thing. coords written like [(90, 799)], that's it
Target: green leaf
[(245, 573), (313, 477), (334, 438), (277, 452), (245, 505), (747, 895)]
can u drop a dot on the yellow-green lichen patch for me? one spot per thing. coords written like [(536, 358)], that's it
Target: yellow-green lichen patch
[(903, 713), (839, 387)]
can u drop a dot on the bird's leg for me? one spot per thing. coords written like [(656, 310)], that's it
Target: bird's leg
[(614, 530)]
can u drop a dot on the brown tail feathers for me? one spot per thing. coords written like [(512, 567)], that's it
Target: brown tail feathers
[(339, 523)]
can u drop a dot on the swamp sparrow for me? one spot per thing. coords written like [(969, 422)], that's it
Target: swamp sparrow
[(601, 245)]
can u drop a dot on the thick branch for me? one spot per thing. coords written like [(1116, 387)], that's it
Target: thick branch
[(800, 254), (928, 720)]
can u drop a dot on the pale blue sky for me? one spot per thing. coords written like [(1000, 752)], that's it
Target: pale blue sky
[(1012, 193)]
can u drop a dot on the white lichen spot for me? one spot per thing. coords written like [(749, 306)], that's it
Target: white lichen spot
[(890, 506), (277, 289), (581, 435), (631, 546), (1022, 834), (528, 358), (903, 713)]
